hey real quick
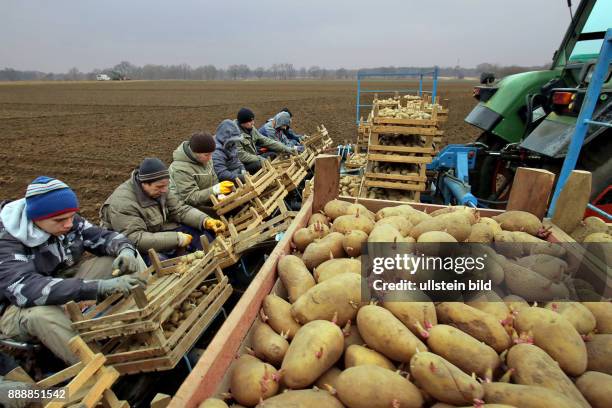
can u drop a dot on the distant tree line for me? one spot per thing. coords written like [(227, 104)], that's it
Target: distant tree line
[(281, 71)]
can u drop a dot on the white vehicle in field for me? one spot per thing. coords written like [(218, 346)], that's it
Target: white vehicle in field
[(102, 77)]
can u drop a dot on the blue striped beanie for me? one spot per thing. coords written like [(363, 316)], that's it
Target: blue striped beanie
[(47, 197)]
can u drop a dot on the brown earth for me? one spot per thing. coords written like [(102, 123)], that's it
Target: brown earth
[(92, 134)]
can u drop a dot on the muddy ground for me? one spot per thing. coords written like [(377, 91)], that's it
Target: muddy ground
[(92, 134)]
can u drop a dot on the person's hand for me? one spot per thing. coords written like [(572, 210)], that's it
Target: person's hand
[(122, 284), (126, 262), (184, 239), (224, 187), (299, 148), (214, 225), (293, 151)]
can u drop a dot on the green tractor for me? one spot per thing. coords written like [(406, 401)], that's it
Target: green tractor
[(528, 119)]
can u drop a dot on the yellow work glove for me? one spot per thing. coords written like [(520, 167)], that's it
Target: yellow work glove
[(216, 226), (184, 239), (224, 187)]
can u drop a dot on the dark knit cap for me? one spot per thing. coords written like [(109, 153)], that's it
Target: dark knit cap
[(288, 111), (245, 115), (47, 197), (151, 170), (202, 142)]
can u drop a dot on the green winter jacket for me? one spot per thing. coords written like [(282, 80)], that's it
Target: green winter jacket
[(148, 223), (191, 180), (247, 149)]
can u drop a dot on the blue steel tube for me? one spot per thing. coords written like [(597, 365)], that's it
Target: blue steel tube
[(434, 90), (586, 113), (421, 85)]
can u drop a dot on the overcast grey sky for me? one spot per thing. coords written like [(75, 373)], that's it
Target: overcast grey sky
[(56, 35)]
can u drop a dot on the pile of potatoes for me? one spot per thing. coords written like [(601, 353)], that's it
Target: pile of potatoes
[(592, 229), (413, 111), (349, 186), (185, 309), (187, 260), (321, 345), (357, 160), (390, 194)]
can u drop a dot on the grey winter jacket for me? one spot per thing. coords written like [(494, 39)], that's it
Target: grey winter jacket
[(30, 259), (225, 157)]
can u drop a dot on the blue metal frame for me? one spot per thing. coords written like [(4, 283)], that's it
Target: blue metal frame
[(460, 159), (420, 74), (585, 118)]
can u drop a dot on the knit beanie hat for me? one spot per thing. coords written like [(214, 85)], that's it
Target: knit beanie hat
[(245, 115), (202, 142), (151, 170), (47, 197)]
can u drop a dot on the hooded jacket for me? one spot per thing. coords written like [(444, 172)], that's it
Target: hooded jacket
[(191, 180), (225, 157), (148, 222), (30, 258), (247, 150), (272, 129)]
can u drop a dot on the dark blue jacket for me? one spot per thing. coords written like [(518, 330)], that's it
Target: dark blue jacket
[(225, 157)]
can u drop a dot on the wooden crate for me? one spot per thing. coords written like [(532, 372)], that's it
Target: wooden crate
[(292, 171), (253, 187), (210, 375), (89, 380), (268, 230), (319, 142)]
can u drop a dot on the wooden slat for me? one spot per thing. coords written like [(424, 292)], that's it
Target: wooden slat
[(61, 376), (399, 121), (394, 158), (531, 190), (572, 201), (405, 130), (396, 186), (327, 184), (402, 149), (395, 177)]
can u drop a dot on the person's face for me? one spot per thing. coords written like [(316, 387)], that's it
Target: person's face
[(203, 157), (57, 226), (156, 189), (248, 125)]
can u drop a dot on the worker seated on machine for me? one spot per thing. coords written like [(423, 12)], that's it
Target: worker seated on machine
[(251, 140), (278, 128), (151, 216), (192, 175), (42, 242)]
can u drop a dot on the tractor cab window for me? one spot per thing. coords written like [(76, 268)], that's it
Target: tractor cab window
[(598, 22)]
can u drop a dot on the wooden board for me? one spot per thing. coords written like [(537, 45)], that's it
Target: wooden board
[(572, 201), (394, 158), (531, 191)]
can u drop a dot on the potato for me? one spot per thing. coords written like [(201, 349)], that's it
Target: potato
[(318, 217), (385, 233), (213, 403), (482, 233), (577, 314), (321, 250), (302, 399), (490, 302), (596, 388), (554, 334), (515, 303), (463, 350), (530, 285), (336, 208), (480, 325), (352, 242), (533, 366), (384, 333), (519, 221), (404, 210), (268, 345), (443, 405), (360, 209), (470, 213), (370, 386), (550, 267), (304, 236), (588, 226), (296, 278), (351, 336), (347, 223), (356, 355), (329, 380), (335, 298), (444, 381), (315, 349), (436, 236), (278, 315), (525, 396), (415, 315), (398, 222), (599, 349), (603, 315), (456, 224), (598, 237), (506, 245), (334, 267), (252, 380), (491, 223)]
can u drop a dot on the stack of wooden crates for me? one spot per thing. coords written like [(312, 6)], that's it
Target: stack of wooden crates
[(402, 140)]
